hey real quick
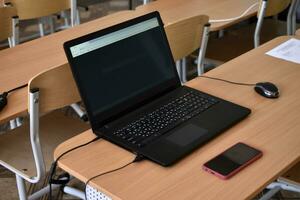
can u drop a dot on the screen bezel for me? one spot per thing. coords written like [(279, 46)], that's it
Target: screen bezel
[(103, 118)]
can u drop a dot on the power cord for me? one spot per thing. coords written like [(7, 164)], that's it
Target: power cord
[(231, 82), (63, 179), (3, 96), (136, 159), (233, 18)]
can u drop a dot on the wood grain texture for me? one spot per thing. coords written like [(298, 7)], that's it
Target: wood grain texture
[(31, 9), (57, 88), (19, 64), (185, 36), (6, 14), (16, 105), (172, 10), (272, 127)]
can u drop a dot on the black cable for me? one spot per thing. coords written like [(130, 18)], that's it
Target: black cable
[(17, 88), (54, 164), (3, 96), (231, 82), (136, 159)]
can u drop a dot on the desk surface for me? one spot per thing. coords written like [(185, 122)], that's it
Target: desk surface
[(273, 127), (172, 10), (19, 64)]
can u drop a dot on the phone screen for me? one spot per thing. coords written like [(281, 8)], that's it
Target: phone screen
[(232, 159)]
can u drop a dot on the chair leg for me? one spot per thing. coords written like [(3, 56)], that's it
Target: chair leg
[(179, 69), (51, 24), (19, 121), (79, 111), (13, 124), (41, 27), (74, 192), (183, 70), (290, 17), (65, 17), (202, 50), (294, 17), (221, 33), (40, 193), (77, 17), (73, 12), (21, 188), (15, 31), (270, 193), (259, 23)]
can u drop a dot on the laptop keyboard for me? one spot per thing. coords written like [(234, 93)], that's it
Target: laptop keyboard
[(176, 111)]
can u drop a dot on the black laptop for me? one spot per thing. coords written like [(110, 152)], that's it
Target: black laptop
[(128, 82)]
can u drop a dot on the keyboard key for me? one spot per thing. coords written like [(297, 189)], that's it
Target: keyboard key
[(176, 111)]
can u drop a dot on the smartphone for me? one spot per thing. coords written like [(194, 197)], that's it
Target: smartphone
[(231, 161)]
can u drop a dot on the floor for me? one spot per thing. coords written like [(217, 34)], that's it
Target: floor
[(226, 51)]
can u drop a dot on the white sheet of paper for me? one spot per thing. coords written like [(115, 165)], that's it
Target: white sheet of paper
[(289, 50)]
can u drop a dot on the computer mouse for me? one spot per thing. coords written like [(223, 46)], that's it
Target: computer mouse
[(267, 89)]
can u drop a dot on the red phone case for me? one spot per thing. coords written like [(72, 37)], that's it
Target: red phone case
[(234, 171)]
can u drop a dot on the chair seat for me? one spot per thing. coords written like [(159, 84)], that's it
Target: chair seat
[(55, 127), (239, 40)]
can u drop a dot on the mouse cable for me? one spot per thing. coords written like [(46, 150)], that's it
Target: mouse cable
[(136, 159), (233, 18), (4, 94), (17, 88), (231, 82), (66, 176)]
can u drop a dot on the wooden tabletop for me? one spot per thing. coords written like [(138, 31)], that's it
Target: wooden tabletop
[(273, 127), (172, 10), (19, 64)]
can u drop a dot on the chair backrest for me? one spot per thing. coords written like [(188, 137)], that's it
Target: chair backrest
[(274, 7), (6, 15), (57, 88), (30, 9), (185, 35)]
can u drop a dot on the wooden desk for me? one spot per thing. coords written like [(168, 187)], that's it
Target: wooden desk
[(273, 127), (171, 10), (19, 64)]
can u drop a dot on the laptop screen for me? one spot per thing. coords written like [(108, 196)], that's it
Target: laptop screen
[(120, 68)]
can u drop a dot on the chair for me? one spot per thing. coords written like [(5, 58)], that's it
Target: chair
[(297, 32), (239, 40), (28, 150), (269, 8), (40, 9), (8, 23), (185, 36)]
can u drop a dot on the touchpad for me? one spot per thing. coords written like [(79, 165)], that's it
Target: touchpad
[(187, 134)]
